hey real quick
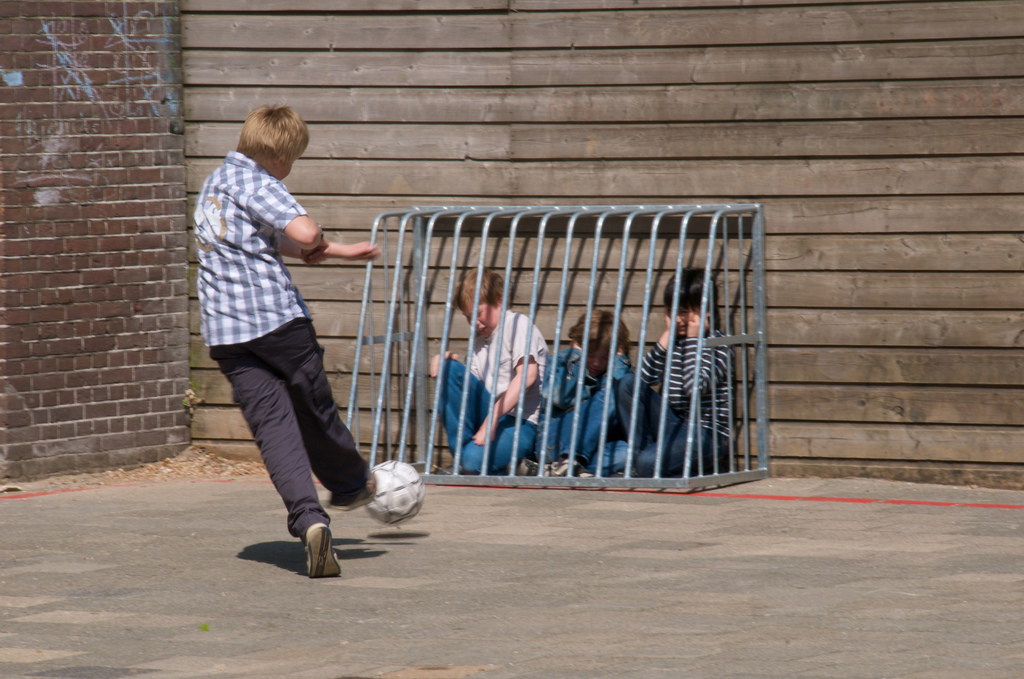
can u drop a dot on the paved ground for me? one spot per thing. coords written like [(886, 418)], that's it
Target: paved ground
[(199, 579)]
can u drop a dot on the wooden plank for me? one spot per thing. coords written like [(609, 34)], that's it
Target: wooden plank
[(746, 24), (783, 215), (602, 29), (244, 6), (241, 6), (976, 475), (895, 442), (955, 136), (223, 423), (215, 390), (420, 31), (814, 365), (610, 179), (805, 289), (872, 272), (427, 142), (910, 328), (964, 136), (785, 327), (562, 5), (347, 69), (990, 252), (675, 103), (920, 405), (574, 68), (775, 64), (903, 214), (884, 290), (1004, 367)]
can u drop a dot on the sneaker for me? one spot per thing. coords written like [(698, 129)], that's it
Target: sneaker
[(320, 559), (527, 467), (559, 467), (363, 498), (445, 471)]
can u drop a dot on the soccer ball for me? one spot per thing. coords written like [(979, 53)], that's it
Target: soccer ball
[(399, 493)]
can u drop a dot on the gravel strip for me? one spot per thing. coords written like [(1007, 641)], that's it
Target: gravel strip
[(193, 463)]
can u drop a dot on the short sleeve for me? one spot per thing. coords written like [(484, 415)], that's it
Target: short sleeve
[(273, 206)]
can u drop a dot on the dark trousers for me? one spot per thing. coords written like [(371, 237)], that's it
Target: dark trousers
[(280, 382)]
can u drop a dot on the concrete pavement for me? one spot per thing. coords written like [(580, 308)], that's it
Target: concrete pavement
[(809, 578)]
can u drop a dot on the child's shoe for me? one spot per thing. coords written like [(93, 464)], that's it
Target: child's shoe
[(320, 559), (527, 467), (559, 467), (360, 500)]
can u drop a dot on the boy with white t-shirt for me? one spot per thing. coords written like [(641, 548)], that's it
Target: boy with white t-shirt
[(521, 356)]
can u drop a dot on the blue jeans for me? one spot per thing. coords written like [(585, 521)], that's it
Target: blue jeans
[(706, 446), (588, 436), (501, 453)]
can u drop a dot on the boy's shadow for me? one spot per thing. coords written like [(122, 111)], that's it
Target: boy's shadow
[(290, 556)]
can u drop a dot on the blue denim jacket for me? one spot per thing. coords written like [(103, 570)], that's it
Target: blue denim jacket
[(567, 374)]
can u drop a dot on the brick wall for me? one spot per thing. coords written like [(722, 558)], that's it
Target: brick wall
[(94, 326)]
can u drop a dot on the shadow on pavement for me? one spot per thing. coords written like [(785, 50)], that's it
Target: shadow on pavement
[(290, 556)]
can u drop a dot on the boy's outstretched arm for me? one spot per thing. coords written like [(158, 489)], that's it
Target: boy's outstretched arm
[(507, 401), (304, 240)]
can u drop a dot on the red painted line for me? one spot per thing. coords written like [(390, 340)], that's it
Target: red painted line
[(790, 498), (984, 506), (27, 496)]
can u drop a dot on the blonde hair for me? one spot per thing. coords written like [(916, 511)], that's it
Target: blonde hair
[(601, 322), (492, 287), (273, 133)]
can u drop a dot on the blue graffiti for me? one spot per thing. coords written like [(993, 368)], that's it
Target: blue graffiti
[(70, 64), (12, 78), (152, 78), (141, 60)]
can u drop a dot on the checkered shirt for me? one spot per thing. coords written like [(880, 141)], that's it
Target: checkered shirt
[(245, 290)]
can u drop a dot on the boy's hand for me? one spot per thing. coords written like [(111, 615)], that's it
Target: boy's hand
[(480, 437), (692, 323), (435, 363), (315, 255)]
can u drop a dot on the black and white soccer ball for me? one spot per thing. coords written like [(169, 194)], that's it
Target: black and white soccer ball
[(399, 494)]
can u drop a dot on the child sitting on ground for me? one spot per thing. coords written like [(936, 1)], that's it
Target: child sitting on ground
[(259, 331), (678, 376), (566, 376), (521, 356)]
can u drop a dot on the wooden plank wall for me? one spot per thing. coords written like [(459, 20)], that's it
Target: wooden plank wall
[(885, 139)]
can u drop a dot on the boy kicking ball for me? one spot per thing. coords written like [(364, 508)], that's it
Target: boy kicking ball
[(259, 331)]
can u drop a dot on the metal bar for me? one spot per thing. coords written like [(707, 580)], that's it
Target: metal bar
[(585, 347), (381, 339), (548, 212), (695, 403), (670, 356), (446, 326), (609, 381), (501, 481), (761, 358), (384, 378)]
